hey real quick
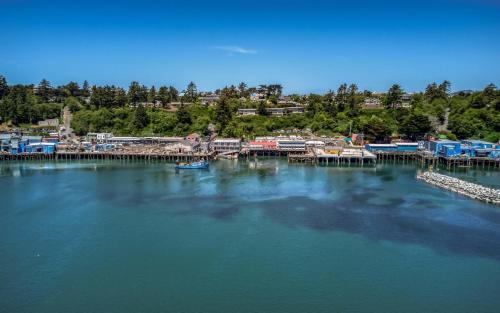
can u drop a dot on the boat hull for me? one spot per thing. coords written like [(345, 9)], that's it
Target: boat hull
[(192, 166)]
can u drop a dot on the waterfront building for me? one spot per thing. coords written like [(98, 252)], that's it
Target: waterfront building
[(144, 140), (381, 147), (407, 146), (446, 148), (41, 147), (260, 145), (477, 144), (226, 144), (315, 144), (291, 145), (247, 112), (193, 137)]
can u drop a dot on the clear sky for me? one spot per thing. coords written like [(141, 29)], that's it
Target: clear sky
[(307, 46)]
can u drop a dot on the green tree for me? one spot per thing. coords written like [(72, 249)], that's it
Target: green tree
[(183, 115), (394, 96), (17, 106), (352, 100), (4, 87), (415, 126), (243, 90), (137, 93), (223, 112), (85, 89), (44, 90), (329, 104), (73, 89), (140, 117), (191, 93), (262, 110), (376, 129), (341, 97), (152, 95)]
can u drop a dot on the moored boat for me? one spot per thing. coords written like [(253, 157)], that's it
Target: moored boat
[(193, 165)]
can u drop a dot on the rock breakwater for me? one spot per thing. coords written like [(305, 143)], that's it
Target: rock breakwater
[(462, 187)]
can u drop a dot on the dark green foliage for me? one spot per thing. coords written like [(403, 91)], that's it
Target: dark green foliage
[(394, 96), (152, 95), (141, 119), (376, 129), (4, 87), (183, 116), (191, 93), (111, 108), (415, 126), (137, 93), (17, 105), (107, 97), (44, 90), (166, 95), (262, 109), (341, 98), (223, 113)]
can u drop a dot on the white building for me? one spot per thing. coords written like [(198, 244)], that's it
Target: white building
[(291, 145), (371, 103), (226, 144), (294, 110), (276, 111), (247, 111), (315, 144)]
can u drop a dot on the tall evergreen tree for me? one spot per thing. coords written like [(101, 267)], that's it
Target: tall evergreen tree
[(44, 90), (191, 93), (136, 93), (223, 112), (152, 95), (85, 89), (341, 98), (140, 117), (261, 109), (4, 87), (394, 96), (182, 114)]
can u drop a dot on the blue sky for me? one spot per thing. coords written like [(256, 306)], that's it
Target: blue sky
[(307, 46)]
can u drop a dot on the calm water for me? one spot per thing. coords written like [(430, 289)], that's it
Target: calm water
[(242, 237)]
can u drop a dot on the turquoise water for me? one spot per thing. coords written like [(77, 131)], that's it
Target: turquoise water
[(243, 237)]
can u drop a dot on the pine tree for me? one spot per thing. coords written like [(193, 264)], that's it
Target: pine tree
[(140, 117), (223, 112), (262, 110), (44, 90), (152, 95), (4, 88), (394, 96)]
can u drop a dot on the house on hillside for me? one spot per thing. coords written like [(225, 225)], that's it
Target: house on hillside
[(247, 112), (371, 103)]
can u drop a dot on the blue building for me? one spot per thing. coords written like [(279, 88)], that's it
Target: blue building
[(379, 147), (445, 148), (407, 146), (477, 144), (41, 147)]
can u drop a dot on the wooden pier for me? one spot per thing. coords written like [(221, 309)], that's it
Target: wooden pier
[(429, 159), (66, 155)]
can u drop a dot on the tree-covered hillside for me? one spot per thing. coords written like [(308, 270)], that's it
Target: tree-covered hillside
[(142, 110)]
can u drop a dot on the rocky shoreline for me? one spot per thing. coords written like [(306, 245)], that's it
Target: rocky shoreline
[(462, 187)]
